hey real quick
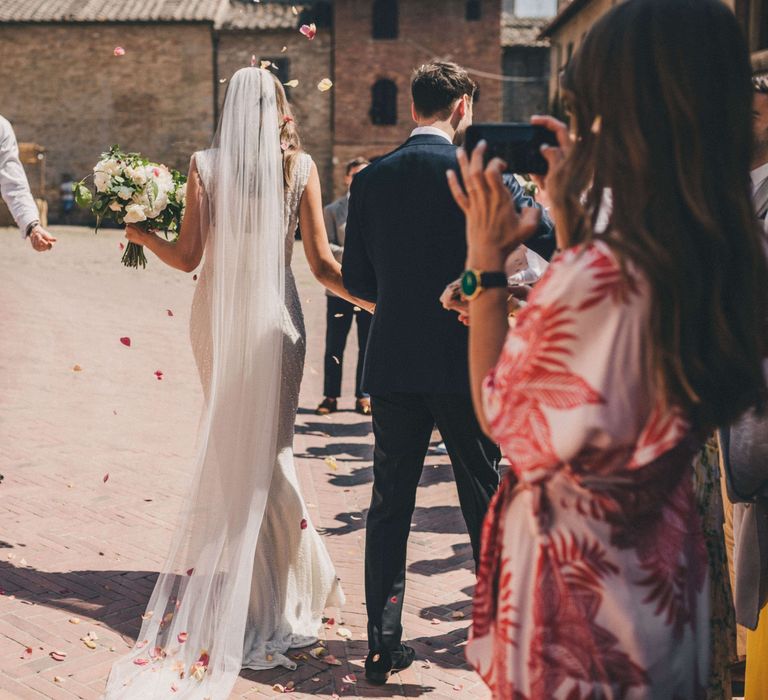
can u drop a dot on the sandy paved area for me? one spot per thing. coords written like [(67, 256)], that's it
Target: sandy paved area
[(73, 547)]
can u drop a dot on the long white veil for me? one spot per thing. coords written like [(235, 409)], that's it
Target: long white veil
[(191, 641)]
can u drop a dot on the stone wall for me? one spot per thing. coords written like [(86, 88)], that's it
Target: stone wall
[(529, 94), (62, 88), (427, 29)]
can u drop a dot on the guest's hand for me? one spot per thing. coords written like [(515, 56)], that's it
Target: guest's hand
[(40, 239), (451, 298), (494, 227), (554, 155)]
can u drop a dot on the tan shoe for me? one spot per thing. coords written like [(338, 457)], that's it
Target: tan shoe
[(363, 406)]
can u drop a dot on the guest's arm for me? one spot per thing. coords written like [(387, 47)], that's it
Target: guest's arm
[(543, 240), (324, 266), (333, 235), (494, 230), (186, 252), (357, 269)]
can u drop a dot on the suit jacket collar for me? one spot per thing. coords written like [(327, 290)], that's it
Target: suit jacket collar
[(427, 140)]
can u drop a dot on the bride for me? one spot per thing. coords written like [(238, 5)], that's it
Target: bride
[(248, 576)]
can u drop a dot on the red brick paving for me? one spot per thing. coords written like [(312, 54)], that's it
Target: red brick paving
[(73, 548)]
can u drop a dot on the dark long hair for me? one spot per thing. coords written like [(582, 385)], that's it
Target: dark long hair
[(660, 98)]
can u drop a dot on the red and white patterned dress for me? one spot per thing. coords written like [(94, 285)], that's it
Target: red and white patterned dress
[(593, 579)]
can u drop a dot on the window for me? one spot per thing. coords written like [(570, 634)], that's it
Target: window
[(385, 19), (474, 10), (384, 103), (281, 67)]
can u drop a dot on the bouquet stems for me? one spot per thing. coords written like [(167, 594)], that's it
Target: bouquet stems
[(134, 256)]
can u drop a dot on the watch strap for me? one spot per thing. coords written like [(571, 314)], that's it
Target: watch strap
[(491, 280)]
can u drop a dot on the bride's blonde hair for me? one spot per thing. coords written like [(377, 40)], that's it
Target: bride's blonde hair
[(290, 141)]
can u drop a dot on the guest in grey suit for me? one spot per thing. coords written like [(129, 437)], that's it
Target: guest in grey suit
[(341, 313)]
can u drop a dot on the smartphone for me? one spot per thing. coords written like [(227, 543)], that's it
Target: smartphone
[(518, 145)]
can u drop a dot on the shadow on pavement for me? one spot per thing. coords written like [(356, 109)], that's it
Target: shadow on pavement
[(437, 519), (460, 559)]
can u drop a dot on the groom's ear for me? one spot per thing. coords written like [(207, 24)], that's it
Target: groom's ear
[(414, 113)]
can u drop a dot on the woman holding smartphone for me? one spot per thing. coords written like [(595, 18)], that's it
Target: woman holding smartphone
[(646, 333)]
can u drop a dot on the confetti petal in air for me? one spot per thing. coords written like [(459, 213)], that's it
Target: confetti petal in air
[(309, 30), (126, 341), (119, 51), (294, 10), (284, 49), (292, 83), (324, 85)]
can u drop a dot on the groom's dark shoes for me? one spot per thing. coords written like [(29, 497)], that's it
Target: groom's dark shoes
[(380, 665)]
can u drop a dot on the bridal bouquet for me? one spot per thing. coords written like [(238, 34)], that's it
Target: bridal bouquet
[(129, 189)]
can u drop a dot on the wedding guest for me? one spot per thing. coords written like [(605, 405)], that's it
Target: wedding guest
[(646, 333), (340, 313), (15, 191), (759, 173), (404, 242)]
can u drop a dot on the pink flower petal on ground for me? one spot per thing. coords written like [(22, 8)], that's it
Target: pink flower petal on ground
[(119, 51), (159, 375), (331, 660), (194, 278), (351, 678), (105, 478), (26, 653), (304, 523), (182, 637), (170, 313), (190, 572), (58, 655), (309, 30), (126, 341), (141, 662)]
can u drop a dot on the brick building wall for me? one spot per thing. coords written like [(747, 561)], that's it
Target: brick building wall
[(529, 96), (61, 87), (427, 29), (308, 62)]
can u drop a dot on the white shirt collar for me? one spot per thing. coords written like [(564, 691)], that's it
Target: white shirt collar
[(759, 174), (430, 131)]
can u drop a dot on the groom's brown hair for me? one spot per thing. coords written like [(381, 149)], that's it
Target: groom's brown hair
[(436, 86)]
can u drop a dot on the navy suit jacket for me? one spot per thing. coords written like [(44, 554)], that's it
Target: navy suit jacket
[(405, 241)]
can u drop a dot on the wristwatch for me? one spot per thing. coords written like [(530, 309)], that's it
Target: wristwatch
[(475, 282), (30, 227)]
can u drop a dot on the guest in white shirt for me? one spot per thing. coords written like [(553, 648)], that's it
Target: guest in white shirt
[(759, 172), (14, 188)]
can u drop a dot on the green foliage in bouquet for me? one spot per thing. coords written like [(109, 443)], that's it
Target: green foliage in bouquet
[(130, 189)]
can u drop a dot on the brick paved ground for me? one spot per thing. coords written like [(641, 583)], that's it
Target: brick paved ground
[(79, 555)]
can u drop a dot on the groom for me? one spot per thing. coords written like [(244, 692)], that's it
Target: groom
[(405, 240)]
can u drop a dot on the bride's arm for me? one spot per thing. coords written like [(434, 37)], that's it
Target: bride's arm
[(186, 251), (324, 266)]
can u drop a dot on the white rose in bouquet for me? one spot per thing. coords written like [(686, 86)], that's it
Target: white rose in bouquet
[(124, 192), (134, 213), (136, 175), (101, 180), (115, 206)]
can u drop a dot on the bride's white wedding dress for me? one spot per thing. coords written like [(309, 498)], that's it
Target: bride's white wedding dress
[(248, 576), (293, 577)]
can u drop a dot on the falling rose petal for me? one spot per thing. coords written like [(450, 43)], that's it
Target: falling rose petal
[(26, 653), (141, 662), (331, 462), (222, 80), (303, 523), (336, 360), (292, 83), (324, 85), (126, 341), (182, 637), (58, 655), (119, 51), (169, 312), (309, 30), (105, 478)]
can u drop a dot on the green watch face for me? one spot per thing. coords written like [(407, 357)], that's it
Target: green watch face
[(469, 283)]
